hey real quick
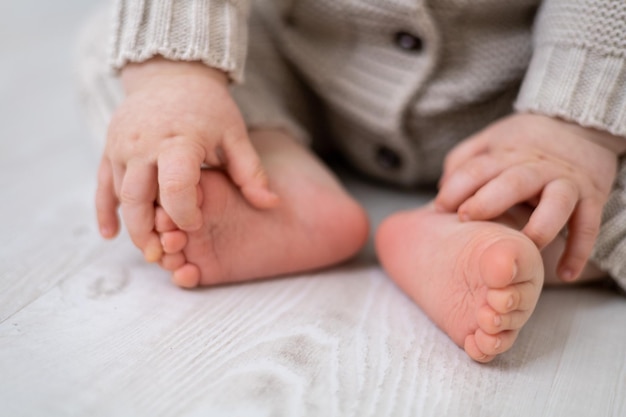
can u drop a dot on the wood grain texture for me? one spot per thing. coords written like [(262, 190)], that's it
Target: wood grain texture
[(87, 328)]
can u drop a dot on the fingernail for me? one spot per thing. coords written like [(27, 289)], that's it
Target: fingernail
[(108, 232), (197, 226), (271, 198), (498, 343), (567, 275), (192, 226), (464, 217), (497, 320)]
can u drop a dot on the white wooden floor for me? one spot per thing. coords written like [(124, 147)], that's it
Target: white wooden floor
[(88, 329)]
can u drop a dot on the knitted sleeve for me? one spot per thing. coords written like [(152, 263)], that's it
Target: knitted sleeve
[(211, 31), (578, 67)]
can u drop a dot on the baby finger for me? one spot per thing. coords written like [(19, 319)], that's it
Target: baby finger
[(106, 201), (246, 170), (513, 186), (462, 153), (137, 196), (179, 168), (466, 180), (556, 205), (583, 230)]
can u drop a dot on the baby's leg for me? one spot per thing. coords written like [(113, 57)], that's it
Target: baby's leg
[(316, 224), (478, 281)]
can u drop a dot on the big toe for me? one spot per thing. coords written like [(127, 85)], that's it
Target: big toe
[(511, 260), (187, 276), (501, 261)]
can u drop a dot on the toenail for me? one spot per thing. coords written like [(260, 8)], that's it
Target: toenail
[(152, 254), (514, 271), (509, 303), (498, 343), (497, 320)]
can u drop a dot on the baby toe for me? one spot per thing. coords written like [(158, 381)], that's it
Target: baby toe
[(514, 320), (171, 262), (489, 320), (494, 344), (474, 352), (174, 242), (516, 297), (163, 222), (504, 300), (492, 322), (153, 251)]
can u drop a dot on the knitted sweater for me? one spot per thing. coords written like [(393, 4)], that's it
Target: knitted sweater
[(398, 68), (402, 81)]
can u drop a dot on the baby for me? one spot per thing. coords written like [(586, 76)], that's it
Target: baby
[(216, 181)]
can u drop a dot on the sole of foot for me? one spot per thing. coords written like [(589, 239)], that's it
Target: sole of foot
[(478, 281)]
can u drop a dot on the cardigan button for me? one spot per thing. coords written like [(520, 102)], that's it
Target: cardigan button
[(388, 159), (408, 42)]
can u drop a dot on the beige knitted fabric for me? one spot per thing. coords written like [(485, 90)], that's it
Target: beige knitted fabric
[(211, 31), (578, 70), (397, 83)]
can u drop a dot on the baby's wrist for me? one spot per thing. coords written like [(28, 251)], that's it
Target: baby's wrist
[(616, 144), (136, 76)]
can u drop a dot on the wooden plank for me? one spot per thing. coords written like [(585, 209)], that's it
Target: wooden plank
[(116, 338)]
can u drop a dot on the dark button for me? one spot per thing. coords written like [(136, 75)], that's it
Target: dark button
[(408, 42), (290, 20), (388, 159)]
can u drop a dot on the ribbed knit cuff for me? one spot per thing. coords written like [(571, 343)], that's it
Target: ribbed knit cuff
[(577, 84), (211, 31)]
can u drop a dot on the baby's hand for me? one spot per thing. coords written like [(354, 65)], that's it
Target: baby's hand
[(565, 171), (176, 117)]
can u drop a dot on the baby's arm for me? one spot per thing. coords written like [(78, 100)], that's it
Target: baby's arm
[(565, 171), (176, 117)]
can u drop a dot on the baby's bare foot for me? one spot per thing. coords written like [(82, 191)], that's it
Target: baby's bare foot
[(316, 224), (478, 281)]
